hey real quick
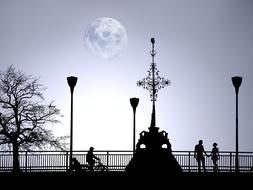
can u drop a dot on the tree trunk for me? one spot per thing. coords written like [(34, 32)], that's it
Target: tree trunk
[(16, 167)]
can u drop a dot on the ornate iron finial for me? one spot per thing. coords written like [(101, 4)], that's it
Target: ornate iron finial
[(153, 83)]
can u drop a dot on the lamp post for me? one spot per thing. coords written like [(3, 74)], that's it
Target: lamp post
[(72, 83), (236, 80), (134, 103)]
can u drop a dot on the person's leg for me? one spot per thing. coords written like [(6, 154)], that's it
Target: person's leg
[(214, 166), (91, 167), (203, 164), (199, 164)]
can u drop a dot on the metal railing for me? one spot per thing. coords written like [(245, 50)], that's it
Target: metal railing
[(57, 161)]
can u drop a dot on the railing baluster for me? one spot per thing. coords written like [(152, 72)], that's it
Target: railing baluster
[(189, 161), (67, 156), (26, 161), (230, 161), (107, 160)]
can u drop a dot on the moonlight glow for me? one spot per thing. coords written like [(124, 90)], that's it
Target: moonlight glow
[(105, 37)]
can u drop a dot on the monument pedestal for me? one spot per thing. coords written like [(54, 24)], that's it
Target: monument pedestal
[(153, 155)]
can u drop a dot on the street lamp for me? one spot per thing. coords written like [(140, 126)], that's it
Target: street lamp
[(134, 103), (72, 83), (237, 83)]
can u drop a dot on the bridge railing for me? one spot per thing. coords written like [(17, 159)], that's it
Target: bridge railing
[(57, 161)]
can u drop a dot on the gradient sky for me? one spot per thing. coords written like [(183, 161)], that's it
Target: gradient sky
[(201, 44)]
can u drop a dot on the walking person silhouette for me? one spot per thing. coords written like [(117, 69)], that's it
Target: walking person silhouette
[(90, 158), (215, 156), (199, 152)]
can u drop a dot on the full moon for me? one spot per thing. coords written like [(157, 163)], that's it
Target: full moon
[(105, 37)]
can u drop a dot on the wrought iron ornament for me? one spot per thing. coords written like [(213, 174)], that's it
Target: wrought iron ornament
[(153, 82)]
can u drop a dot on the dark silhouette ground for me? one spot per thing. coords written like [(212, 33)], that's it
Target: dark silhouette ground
[(123, 181)]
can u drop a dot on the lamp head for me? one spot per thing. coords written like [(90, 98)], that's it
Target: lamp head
[(134, 102), (237, 80), (72, 82)]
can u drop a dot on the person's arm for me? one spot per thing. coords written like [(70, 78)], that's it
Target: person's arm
[(211, 153), (205, 152), (95, 157)]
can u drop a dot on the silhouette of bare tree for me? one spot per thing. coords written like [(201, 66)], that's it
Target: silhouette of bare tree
[(23, 116)]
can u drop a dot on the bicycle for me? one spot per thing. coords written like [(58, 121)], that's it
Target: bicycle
[(98, 167)]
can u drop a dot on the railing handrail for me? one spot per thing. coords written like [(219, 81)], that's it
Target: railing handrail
[(174, 151)]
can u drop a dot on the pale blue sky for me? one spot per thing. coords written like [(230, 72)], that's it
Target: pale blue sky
[(201, 44)]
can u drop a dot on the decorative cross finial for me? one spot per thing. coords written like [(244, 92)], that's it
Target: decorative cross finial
[(153, 82)]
